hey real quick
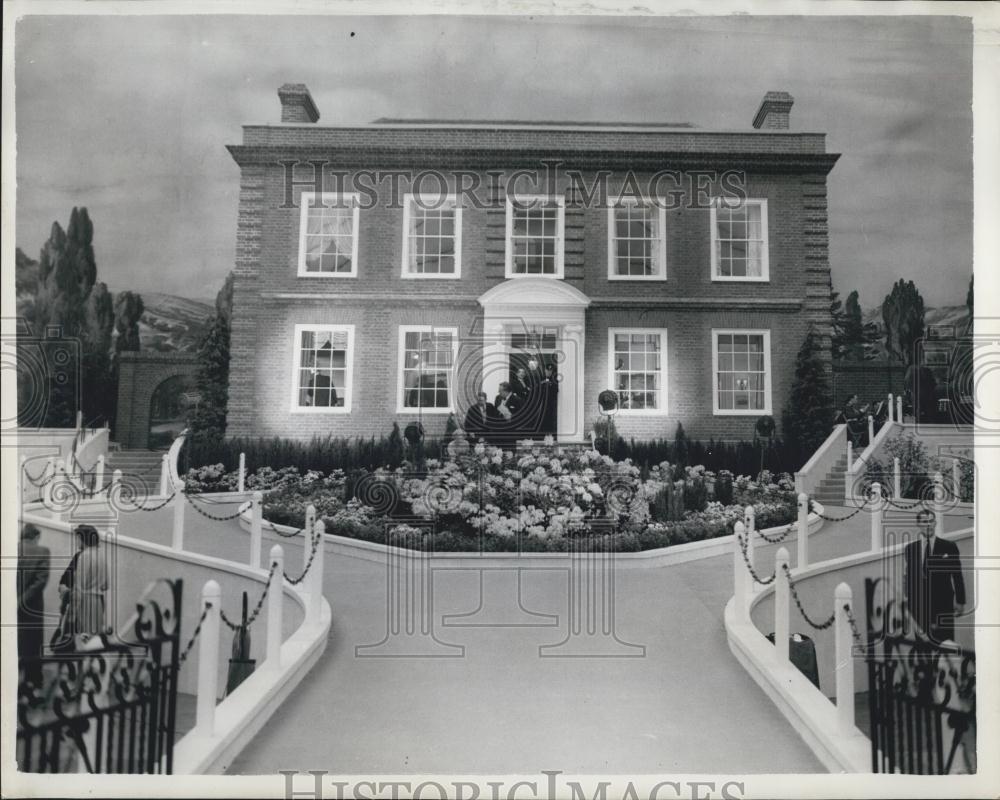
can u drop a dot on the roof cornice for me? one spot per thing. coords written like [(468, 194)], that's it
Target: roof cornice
[(369, 156)]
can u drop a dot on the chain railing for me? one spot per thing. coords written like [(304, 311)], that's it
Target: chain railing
[(256, 611), (225, 518), (819, 626), (309, 562), (778, 538), (746, 560), (194, 636), (853, 623), (38, 483), (858, 510)]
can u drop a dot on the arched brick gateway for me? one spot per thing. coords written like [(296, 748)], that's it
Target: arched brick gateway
[(140, 375)]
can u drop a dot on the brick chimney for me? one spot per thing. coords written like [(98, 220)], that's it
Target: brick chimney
[(297, 104), (773, 112)]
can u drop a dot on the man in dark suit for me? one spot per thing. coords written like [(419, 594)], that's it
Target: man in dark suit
[(32, 575), (480, 419), (932, 576), (508, 406)]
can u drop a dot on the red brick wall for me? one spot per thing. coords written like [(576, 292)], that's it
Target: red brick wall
[(378, 300)]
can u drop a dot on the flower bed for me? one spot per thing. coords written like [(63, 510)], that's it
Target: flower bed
[(540, 498)]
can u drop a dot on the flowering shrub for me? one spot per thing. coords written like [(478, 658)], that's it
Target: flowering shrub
[(537, 498)]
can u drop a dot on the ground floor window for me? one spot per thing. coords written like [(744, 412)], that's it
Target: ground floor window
[(742, 366), (638, 368), (426, 363), (322, 375)]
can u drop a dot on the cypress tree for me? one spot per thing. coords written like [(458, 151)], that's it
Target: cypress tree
[(809, 413)]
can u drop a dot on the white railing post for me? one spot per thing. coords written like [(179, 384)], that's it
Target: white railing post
[(876, 500), (116, 480), (781, 596), (241, 478), (897, 484), (871, 429), (899, 408), (850, 457), (275, 598), (741, 576), (22, 481), (803, 531), (750, 521), (316, 578), (891, 409), (177, 538), (956, 479), (208, 661), (844, 664), (99, 473), (164, 475), (256, 527), (79, 421), (938, 504)]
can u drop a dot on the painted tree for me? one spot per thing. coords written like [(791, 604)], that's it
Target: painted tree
[(128, 311), (212, 377), (808, 414), (903, 317), (68, 298)]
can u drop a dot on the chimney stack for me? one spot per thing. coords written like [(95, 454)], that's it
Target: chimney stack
[(773, 112), (297, 104)]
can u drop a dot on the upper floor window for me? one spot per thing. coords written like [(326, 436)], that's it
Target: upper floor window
[(638, 368), (328, 235), (535, 228), (426, 363), (432, 237), (739, 240), (637, 242), (742, 368), (321, 377)]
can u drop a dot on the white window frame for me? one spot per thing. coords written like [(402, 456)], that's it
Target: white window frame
[(661, 409), (661, 260), (765, 258), (401, 362), (329, 199), (560, 202), (431, 199), (735, 412), (348, 368)]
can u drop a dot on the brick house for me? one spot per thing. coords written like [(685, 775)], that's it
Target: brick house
[(679, 267)]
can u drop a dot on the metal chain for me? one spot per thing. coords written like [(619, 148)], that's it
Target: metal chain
[(194, 636), (774, 540), (260, 603), (820, 626), (270, 526), (854, 625), (205, 514), (139, 507), (750, 569), (312, 555), (38, 482), (856, 511)]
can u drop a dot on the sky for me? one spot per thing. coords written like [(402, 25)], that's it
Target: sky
[(129, 116)]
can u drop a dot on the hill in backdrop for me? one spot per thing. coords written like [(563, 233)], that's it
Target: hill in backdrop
[(171, 323), (955, 317)]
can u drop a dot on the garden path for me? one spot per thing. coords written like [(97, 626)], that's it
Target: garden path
[(686, 707)]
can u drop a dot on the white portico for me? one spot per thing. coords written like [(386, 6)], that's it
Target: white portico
[(549, 314)]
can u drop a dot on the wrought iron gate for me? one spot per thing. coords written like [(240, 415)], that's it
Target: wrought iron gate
[(111, 709), (921, 695)]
